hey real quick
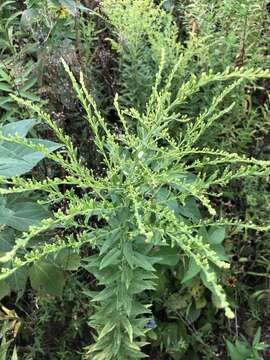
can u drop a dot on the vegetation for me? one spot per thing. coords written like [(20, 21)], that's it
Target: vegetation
[(134, 168)]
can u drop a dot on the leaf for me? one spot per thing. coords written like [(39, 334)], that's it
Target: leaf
[(4, 289), (20, 128), (17, 280), (5, 76), (5, 87), (127, 325), (109, 242), (217, 236), (234, 354), (4, 348), (68, 259), (243, 348), (22, 215), (128, 254), (28, 17), (110, 258), (104, 294), (192, 271), (168, 256), (106, 329), (6, 239), (29, 96), (46, 278), (142, 261), (14, 354), (190, 210), (18, 159), (220, 252), (257, 337)]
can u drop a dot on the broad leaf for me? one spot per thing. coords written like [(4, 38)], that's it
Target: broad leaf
[(168, 256), (18, 159), (67, 259), (20, 216), (47, 278), (217, 236), (20, 128)]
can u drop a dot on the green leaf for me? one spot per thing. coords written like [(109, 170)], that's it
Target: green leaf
[(220, 251), (257, 337), (5, 87), (233, 352), (29, 96), (4, 289), (193, 270), (110, 258), (4, 348), (17, 280), (168, 5), (243, 348), (20, 216), (46, 278), (107, 329), (217, 236), (20, 128), (128, 254), (6, 238), (168, 256), (28, 17), (104, 294), (14, 354), (18, 159), (68, 259), (142, 261), (127, 325)]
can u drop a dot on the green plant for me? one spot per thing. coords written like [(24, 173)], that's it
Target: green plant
[(146, 203), (242, 350), (142, 30)]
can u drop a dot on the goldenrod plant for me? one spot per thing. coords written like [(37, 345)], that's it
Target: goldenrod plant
[(155, 195), (151, 203)]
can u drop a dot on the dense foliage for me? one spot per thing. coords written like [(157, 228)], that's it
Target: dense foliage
[(134, 171)]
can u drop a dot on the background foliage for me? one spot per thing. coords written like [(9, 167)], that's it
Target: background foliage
[(148, 179)]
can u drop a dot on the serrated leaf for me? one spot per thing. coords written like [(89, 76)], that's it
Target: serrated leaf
[(106, 329), (104, 294), (127, 325), (110, 258), (143, 261)]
